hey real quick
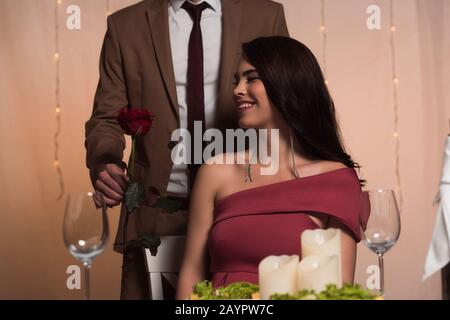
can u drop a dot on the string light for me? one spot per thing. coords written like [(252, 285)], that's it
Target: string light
[(323, 31), (57, 56), (108, 8), (395, 82)]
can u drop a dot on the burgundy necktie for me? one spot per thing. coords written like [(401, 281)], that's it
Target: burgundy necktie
[(195, 95)]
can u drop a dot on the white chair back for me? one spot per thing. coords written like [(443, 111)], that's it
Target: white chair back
[(164, 267)]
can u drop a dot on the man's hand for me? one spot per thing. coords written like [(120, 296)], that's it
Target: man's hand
[(111, 183)]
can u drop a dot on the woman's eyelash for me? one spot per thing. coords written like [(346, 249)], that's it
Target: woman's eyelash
[(249, 79)]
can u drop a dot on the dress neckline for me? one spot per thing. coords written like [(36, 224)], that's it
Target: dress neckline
[(231, 195)]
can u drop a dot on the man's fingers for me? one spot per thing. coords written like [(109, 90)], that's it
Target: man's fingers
[(118, 175), (97, 200), (107, 191), (109, 202), (109, 181)]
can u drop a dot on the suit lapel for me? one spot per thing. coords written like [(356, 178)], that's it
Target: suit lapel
[(157, 18), (158, 22), (231, 24)]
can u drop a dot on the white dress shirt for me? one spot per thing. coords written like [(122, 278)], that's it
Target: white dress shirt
[(180, 26), (439, 250)]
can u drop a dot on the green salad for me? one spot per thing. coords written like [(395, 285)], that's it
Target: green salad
[(244, 290), (238, 290), (332, 292)]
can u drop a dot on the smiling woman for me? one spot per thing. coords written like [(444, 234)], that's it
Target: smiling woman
[(278, 86), (251, 98), (283, 79)]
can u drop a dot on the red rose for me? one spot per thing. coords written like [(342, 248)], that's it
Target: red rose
[(134, 121)]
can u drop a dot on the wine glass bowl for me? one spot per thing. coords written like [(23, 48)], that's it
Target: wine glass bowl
[(85, 229), (378, 240), (86, 250)]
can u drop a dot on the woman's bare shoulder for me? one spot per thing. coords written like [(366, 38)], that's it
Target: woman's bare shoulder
[(229, 159), (224, 168), (332, 165), (217, 170), (321, 166)]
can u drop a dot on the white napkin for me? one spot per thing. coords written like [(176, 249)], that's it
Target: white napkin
[(439, 251)]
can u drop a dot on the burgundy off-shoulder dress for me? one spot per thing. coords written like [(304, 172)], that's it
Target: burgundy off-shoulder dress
[(254, 223)]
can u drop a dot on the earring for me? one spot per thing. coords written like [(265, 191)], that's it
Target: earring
[(248, 171)]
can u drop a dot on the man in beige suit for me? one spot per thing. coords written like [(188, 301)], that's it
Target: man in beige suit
[(145, 64)]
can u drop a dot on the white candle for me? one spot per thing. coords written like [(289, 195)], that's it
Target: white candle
[(316, 271), (277, 274), (323, 242)]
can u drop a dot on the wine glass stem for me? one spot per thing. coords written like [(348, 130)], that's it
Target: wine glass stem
[(87, 288), (381, 264)]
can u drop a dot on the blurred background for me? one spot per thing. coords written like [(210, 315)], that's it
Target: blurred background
[(396, 138)]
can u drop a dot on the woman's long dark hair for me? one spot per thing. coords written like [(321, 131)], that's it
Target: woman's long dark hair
[(295, 85)]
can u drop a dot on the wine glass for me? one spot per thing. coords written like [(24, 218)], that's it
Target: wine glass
[(380, 223), (85, 230)]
